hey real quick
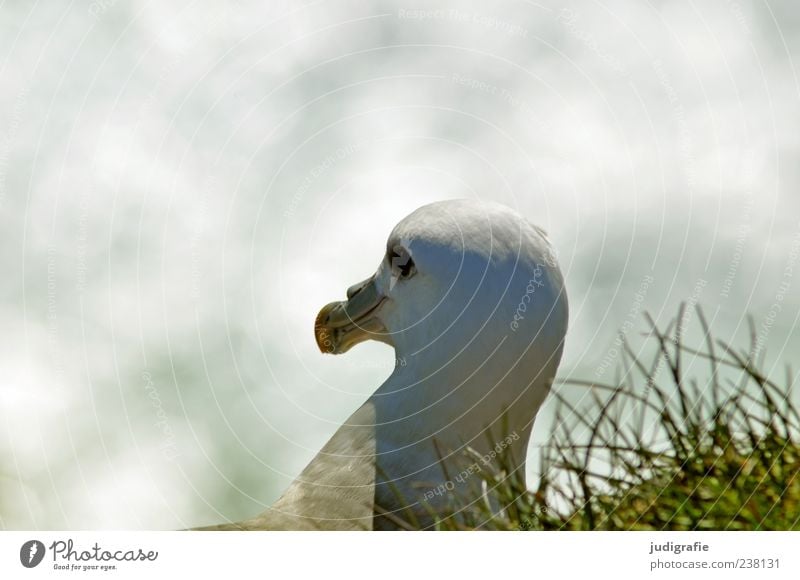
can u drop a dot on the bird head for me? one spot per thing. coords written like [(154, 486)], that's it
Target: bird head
[(458, 277)]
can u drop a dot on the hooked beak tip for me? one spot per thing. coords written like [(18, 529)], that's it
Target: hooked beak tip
[(323, 334)]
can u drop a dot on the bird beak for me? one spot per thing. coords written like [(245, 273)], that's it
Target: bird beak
[(341, 325)]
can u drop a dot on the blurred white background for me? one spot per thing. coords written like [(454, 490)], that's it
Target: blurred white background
[(184, 184)]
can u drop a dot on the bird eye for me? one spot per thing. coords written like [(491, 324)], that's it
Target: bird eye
[(401, 262)]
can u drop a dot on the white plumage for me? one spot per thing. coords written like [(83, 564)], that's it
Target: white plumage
[(471, 298)]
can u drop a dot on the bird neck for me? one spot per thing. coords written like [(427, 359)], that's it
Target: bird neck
[(436, 429)]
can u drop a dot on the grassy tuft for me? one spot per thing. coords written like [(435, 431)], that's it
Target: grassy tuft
[(689, 438)]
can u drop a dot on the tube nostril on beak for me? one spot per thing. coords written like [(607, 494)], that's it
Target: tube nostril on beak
[(356, 288)]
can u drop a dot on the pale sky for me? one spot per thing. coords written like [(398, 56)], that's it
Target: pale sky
[(183, 186)]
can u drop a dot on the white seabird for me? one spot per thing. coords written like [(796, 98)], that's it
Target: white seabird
[(471, 298)]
